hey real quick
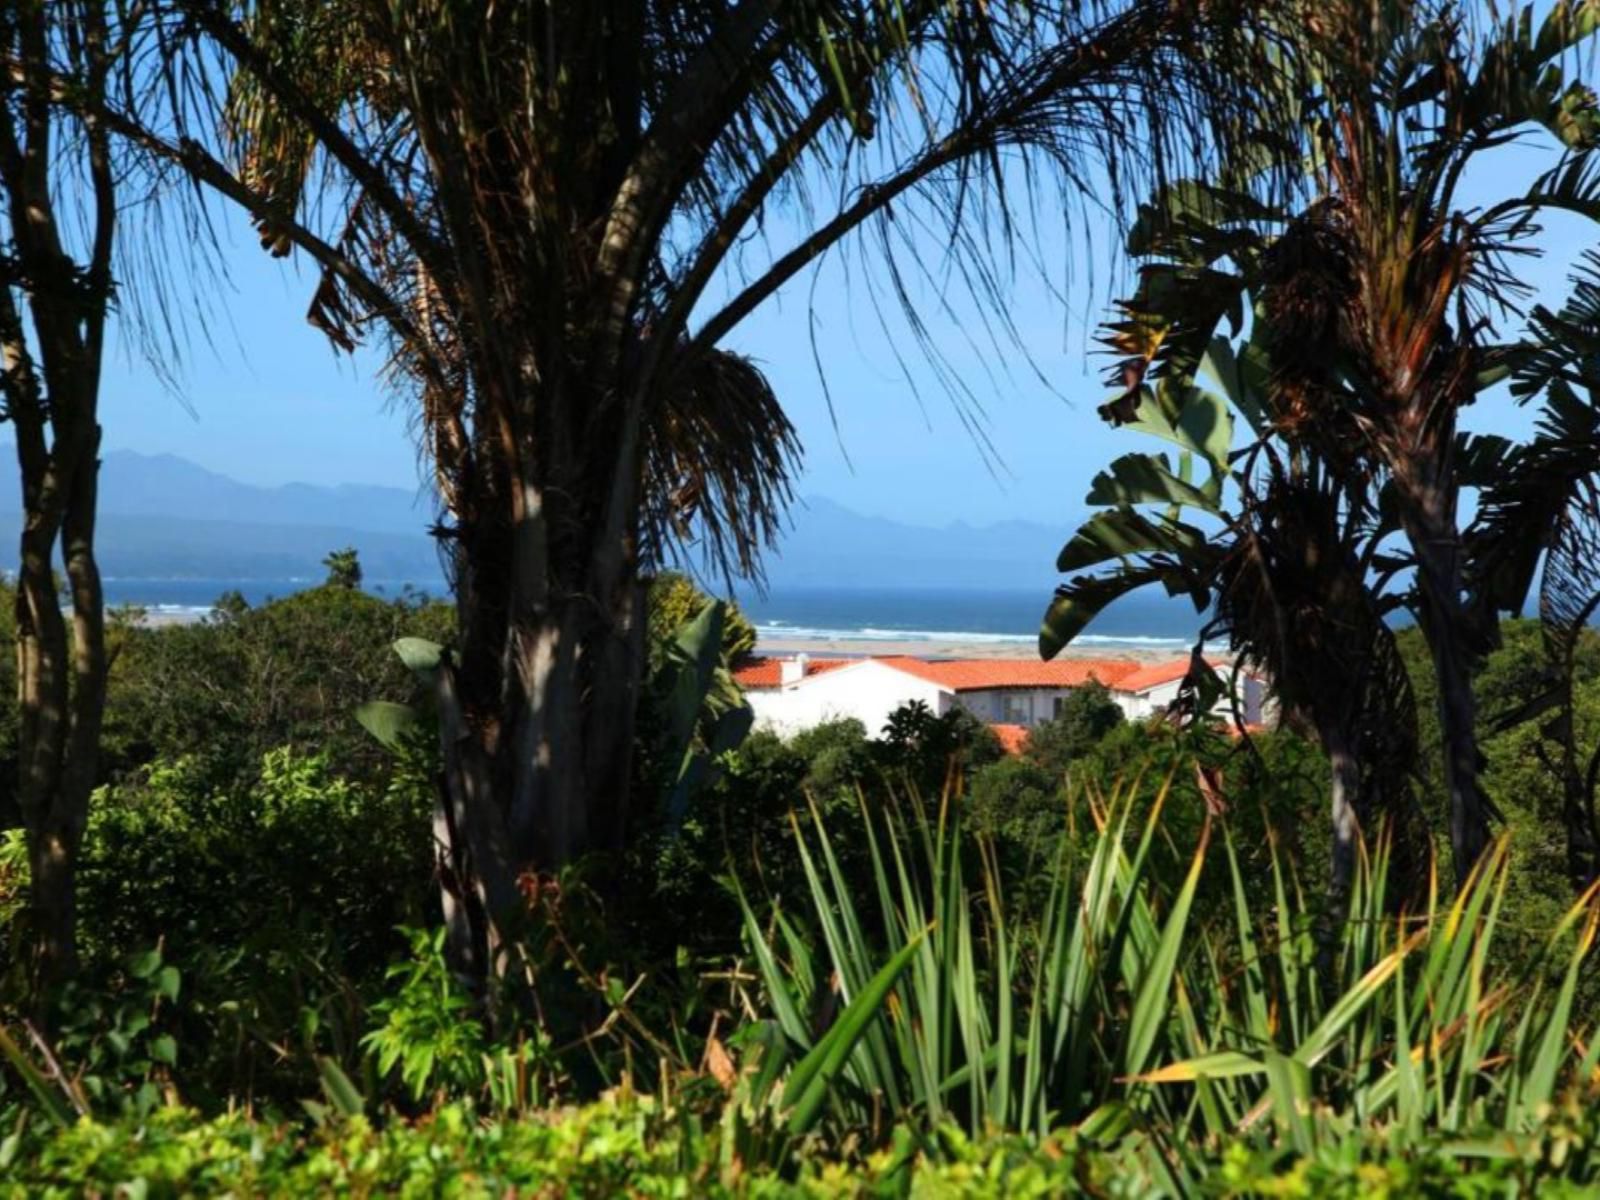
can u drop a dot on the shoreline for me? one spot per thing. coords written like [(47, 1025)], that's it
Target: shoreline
[(957, 647)]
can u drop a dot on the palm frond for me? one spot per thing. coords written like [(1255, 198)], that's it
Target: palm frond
[(721, 461)]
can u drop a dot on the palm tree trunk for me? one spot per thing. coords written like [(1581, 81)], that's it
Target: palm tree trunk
[(536, 712), (1344, 792), (1428, 517)]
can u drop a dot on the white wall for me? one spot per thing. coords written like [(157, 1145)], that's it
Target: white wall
[(868, 691), (1153, 701)]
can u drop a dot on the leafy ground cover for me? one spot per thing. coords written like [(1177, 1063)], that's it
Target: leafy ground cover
[(632, 1145)]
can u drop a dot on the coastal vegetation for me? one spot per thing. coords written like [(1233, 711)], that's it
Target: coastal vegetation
[(351, 894)]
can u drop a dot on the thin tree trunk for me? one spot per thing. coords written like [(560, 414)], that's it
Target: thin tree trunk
[(52, 404), (1577, 811)]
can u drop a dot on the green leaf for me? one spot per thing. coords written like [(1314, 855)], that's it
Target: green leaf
[(1145, 479), (1082, 598), (1122, 533), (48, 1100), (341, 1093), (1153, 1005), (164, 1049), (420, 656), (168, 982), (1224, 1064), (387, 721)]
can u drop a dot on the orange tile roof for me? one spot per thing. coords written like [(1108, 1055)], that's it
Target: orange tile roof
[(768, 672), (981, 674), (1013, 738), (1155, 675)]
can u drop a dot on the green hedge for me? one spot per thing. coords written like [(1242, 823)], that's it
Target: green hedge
[(628, 1147)]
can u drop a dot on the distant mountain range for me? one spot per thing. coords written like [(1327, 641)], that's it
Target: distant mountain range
[(163, 517), (833, 546)]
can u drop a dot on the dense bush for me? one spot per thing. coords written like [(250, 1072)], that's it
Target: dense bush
[(636, 1146), (275, 898), (1086, 716), (249, 680)]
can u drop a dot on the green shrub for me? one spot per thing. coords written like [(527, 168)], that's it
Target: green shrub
[(1123, 1004), (249, 680), (636, 1146), (427, 1030), (1085, 717), (277, 900)]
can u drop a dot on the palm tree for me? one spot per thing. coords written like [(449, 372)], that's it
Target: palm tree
[(548, 210), (1542, 510), (1373, 300), (1281, 549), (344, 568)]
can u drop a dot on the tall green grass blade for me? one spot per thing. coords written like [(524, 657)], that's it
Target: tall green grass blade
[(1150, 1009), (36, 1081), (814, 1075)]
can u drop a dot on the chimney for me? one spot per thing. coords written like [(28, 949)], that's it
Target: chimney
[(792, 670)]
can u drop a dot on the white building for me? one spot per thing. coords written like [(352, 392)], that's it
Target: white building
[(792, 694)]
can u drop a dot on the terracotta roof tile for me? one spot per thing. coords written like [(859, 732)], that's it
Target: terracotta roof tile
[(767, 672), (981, 674), (1156, 674)]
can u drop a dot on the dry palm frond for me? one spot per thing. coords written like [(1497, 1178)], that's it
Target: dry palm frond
[(721, 459)]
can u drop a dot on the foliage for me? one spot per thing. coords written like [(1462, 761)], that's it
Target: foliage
[(1086, 716), (119, 1040), (926, 751), (672, 600), (637, 1145), (276, 898), (344, 568), (1015, 799), (425, 1023), (702, 714), (1128, 1006), (231, 688)]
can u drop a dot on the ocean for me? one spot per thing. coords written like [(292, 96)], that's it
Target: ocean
[(1149, 620)]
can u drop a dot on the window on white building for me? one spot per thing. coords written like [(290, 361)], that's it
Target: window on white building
[(1018, 709)]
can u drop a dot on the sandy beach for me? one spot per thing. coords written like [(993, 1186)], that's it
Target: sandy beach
[(1020, 648)]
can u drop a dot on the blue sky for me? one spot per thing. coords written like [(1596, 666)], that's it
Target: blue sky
[(266, 400)]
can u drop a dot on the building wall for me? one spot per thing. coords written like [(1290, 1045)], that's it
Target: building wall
[(1153, 701), (1012, 706), (867, 691)]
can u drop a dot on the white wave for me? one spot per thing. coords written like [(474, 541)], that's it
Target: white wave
[(783, 631), (871, 634)]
